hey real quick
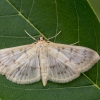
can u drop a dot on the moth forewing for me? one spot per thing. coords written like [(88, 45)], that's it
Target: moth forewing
[(82, 56), (20, 64)]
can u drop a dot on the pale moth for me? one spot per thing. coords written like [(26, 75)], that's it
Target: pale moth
[(45, 60)]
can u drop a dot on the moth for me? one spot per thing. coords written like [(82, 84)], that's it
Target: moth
[(45, 60)]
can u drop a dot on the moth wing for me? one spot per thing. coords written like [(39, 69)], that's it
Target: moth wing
[(20, 64), (60, 72), (66, 62), (8, 56)]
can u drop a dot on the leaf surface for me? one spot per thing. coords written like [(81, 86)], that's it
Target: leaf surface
[(77, 22)]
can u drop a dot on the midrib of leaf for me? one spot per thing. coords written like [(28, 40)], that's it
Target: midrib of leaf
[(93, 10), (26, 19), (46, 37)]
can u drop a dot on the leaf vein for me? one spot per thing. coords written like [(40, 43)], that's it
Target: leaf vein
[(26, 19), (31, 9), (56, 19), (9, 15)]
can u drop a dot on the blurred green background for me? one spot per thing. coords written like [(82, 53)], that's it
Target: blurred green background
[(96, 6)]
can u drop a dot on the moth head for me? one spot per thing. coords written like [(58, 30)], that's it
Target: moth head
[(41, 38)]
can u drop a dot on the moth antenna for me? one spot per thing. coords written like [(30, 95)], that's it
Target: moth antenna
[(54, 35), (30, 35)]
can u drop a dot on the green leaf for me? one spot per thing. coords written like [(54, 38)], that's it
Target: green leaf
[(77, 22)]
